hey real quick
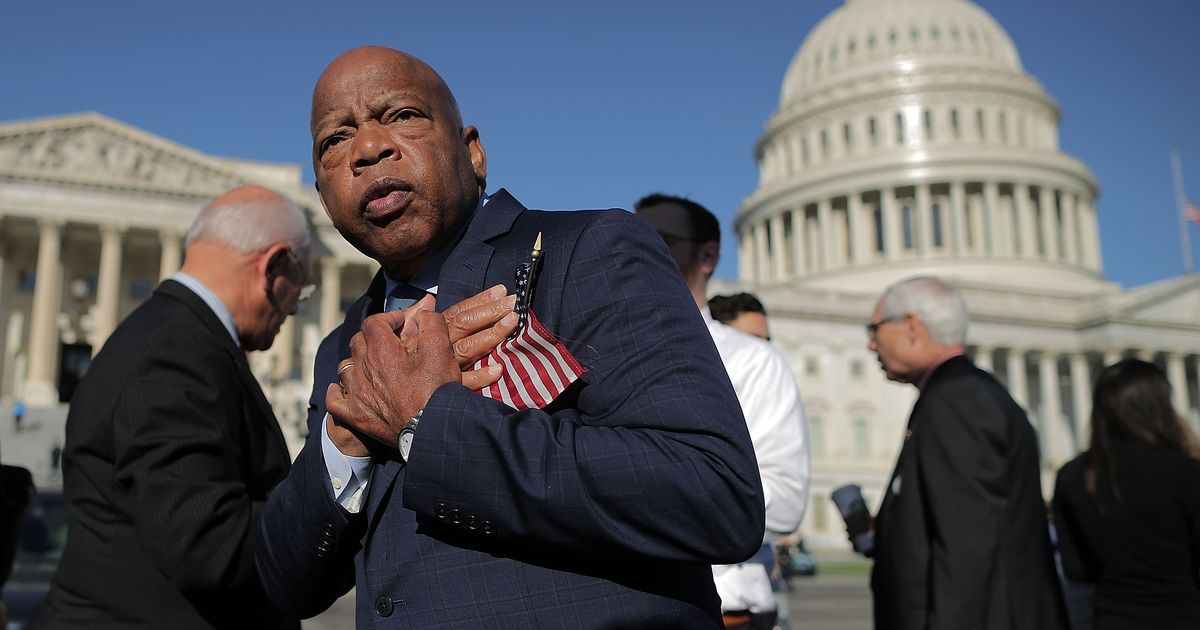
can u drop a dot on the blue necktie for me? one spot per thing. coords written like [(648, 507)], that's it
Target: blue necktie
[(402, 297)]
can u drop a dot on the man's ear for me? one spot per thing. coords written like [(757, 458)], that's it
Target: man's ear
[(271, 263), (710, 255), (470, 136)]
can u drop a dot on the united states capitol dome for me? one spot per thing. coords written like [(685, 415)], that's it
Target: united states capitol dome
[(910, 139), (872, 36)]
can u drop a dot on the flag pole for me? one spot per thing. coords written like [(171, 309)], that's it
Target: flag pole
[(1185, 242)]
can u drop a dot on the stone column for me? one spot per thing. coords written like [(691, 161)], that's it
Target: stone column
[(108, 287), (958, 217), (1178, 379), (1051, 416), (799, 241), (1025, 227), (1017, 383), (779, 251), (991, 234), (859, 248), (983, 358), (745, 257), (1070, 228), (1090, 233), (924, 216), (825, 221), (763, 266), (1081, 396), (171, 253), (1049, 222), (40, 387), (892, 246), (331, 294), (979, 225), (5, 368)]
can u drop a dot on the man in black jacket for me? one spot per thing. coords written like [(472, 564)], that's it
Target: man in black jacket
[(171, 447), (961, 536)]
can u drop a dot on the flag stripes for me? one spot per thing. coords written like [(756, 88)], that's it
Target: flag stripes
[(537, 368)]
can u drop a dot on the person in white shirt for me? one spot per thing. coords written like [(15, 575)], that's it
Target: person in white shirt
[(769, 398)]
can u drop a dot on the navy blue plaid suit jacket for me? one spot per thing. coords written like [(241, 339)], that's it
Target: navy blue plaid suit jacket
[(603, 511)]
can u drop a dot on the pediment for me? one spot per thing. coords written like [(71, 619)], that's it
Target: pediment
[(93, 150), (1174, 301)]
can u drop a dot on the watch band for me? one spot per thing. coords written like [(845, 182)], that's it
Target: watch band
[(405, 438)]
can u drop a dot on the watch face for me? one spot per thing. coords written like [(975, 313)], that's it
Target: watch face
[(406, 438)]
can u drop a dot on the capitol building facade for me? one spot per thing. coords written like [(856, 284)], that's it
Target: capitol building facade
[(910, 141), (93, 214)]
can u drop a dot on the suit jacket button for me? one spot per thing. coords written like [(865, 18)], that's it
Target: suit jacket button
[(472, 523), (383, 606), (440, 511), (487, 527), (456, 516)]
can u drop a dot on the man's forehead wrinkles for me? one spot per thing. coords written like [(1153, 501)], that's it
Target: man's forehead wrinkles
[(348, 111)]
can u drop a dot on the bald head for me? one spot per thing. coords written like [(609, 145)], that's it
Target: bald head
[(378, 64), (397, 170), (251, 218)]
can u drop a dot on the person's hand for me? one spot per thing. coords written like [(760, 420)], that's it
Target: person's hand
[(475, 327), (388, 377), (859, 522)]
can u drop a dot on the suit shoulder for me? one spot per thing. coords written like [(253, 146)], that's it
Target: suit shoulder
[(578, 220)]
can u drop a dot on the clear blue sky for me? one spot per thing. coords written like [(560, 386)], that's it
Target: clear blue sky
[(597, 104)]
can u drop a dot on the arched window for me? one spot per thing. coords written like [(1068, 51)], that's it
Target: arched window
[(901, 136), (1002, 123), (954, 129), (824, 145), (816, 435), (928, 120), (871, 131), (862, 437), (804, 155), (847, 137), (980, 127)]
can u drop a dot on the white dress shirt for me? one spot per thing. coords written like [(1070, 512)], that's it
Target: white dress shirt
[(774, 414)]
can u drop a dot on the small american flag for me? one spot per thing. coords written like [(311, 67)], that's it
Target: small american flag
[(537, 366), (1193, 212)]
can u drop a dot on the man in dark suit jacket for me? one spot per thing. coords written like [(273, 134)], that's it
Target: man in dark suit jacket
[(171, 448), (605, 508), (961, 540)]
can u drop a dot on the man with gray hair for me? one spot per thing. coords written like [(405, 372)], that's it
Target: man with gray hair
[(961, 538), (171, 447)]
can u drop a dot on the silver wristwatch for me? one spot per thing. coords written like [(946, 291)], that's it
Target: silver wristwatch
[(404, 441)]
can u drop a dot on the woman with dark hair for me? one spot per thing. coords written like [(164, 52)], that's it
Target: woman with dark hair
[(1127, 510)]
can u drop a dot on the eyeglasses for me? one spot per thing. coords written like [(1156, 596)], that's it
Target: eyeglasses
[(306, 287), (873, 327)]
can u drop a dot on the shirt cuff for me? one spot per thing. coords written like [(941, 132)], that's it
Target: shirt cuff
[(348, 475)]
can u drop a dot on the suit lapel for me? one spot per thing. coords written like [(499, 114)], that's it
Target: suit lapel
[(463, 274), (465, 270)]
